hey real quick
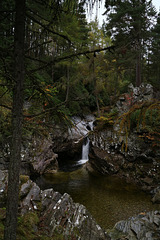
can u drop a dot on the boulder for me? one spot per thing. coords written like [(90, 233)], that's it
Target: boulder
[(30, 196), (135, 95), (68, 142), (39, 157), (64, 217), (156, 198), (3, 187), (145, 226)]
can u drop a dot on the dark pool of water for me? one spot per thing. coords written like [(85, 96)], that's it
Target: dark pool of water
[(108, 199)]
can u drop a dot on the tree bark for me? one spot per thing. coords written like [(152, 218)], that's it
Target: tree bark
[(138, 69), (15, 158), (68, 85)]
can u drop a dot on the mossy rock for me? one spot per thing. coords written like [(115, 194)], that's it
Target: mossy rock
[(2, 219), (23, 179), (27, 226)]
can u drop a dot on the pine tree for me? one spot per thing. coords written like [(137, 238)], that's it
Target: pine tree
[(154, 55), (128, 23), (15, 159)]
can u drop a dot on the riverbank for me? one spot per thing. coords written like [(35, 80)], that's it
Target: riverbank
[(47, 214), (109, 199)]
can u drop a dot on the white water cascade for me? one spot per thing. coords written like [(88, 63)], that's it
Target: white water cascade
[(85, 152), (85, 147)]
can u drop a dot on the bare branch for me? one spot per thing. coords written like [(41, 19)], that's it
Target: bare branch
[(73, 55), (38, 45), (35, 59), (48, 29), (4, 106)]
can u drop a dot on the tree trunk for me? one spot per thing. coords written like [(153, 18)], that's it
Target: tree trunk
[(67, 91), (138, 69), (15, 158), (98, 108), (95, 90)]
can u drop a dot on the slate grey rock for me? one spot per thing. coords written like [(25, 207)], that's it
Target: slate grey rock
[(145, 226)]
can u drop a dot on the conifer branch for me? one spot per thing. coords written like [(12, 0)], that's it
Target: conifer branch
[(48, 29), (59, 59)]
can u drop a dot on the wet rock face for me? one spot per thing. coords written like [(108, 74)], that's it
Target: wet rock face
[(69, 141), (156, 195), (70, 219), (42, 155), (138, 162), (145, 226), (38, 157), (104, 162)]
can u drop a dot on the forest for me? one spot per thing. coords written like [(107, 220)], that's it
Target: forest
[(55, 64)]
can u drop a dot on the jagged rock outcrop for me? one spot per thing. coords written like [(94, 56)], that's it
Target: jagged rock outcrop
[(135, 95), (38, 157), (145, 226), (68, 142), (59, 215), (138, 163), (72, 220), (41, 155)]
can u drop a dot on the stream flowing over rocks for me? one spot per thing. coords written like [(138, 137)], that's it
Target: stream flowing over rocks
[(138, 164)]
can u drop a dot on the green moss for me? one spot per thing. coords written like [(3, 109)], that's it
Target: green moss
[(115, 234), (24, 179), (1, 230), (76, 231), (27, 226), (2, 218), (58, 236)]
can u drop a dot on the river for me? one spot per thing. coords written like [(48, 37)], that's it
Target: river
[(108, 199)]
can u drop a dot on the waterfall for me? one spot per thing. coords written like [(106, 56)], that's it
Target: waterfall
[(85, 152)]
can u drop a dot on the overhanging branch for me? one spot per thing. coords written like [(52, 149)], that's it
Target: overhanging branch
[(48, 29), (110, 49)]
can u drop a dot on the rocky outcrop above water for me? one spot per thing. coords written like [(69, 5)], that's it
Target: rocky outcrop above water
[(59, 216), (138, 162), (68, 142), (38, 157), (145, 226), (41, 154), (70, 219)]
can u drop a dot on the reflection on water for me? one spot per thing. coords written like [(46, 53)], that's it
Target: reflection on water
[(108, 199)]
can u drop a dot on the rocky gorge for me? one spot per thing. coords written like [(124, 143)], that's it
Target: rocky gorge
[(140, 161), (58, 217), (58, 214)]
